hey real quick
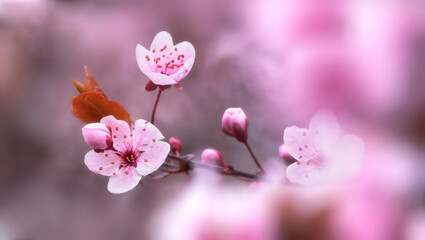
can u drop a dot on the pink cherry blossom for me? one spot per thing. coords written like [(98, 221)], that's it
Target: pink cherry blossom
[(164, 63), (136, 152), (235, 123), (97, 136), (322, 155)]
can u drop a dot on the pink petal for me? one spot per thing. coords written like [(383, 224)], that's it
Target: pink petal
[(153, 158), (120, 132), (142, 61), (105, 163), (351, 151), (324, 124), (304, 174), (161, 79), (182, 72), (300, 143), (354, 146), (162, 39), (125, 180), (96, 135), (185, 48), (145, 134)]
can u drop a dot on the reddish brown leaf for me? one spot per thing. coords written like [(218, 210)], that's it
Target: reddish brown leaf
[(91, 107), (90, 85)]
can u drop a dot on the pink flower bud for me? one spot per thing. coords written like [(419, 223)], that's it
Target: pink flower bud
[(97, 136), (176, 145), (212, 157), (235, 124), (284, 154)]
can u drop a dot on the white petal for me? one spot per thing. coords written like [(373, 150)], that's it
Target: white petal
[(161, 79), (153, 158), (120, 132), (122, 182), (324, 124), (351, 152), (185, 48), (300, 143), (145, 134), (308, 175), (162, 39), (105, 163), (354, 145), (143, 63), (182, 72)]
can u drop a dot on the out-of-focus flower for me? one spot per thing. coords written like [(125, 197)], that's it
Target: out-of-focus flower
[(135, 153), (322, 155), (235, 123), (374, 204), (414, 229), (212, 157), (164, 63), (97, 136), (176, 145), (208, 210)]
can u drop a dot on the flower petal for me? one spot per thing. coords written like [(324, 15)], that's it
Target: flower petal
[(162, 39), (161, 79), (304, 174), (185, 48), (142, 60), (125, 180), (152, 159), (300, 143), (145, 134), (120, 132), (351, 151), (324, 124), (182, 72), (102, 163), (354, 145)]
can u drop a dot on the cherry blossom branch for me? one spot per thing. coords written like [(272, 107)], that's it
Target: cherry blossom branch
[(156, 104), (253, 157), (191, 164)]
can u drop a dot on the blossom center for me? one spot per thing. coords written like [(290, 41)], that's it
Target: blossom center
[(318, 159), (166, 61), (129, 158)]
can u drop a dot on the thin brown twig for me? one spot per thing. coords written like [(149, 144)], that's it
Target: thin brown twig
[(229, 171)]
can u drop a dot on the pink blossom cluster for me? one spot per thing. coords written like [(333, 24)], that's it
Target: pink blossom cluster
[(126, 152)]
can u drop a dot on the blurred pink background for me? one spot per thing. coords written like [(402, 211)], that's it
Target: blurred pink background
[(278, 60)]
